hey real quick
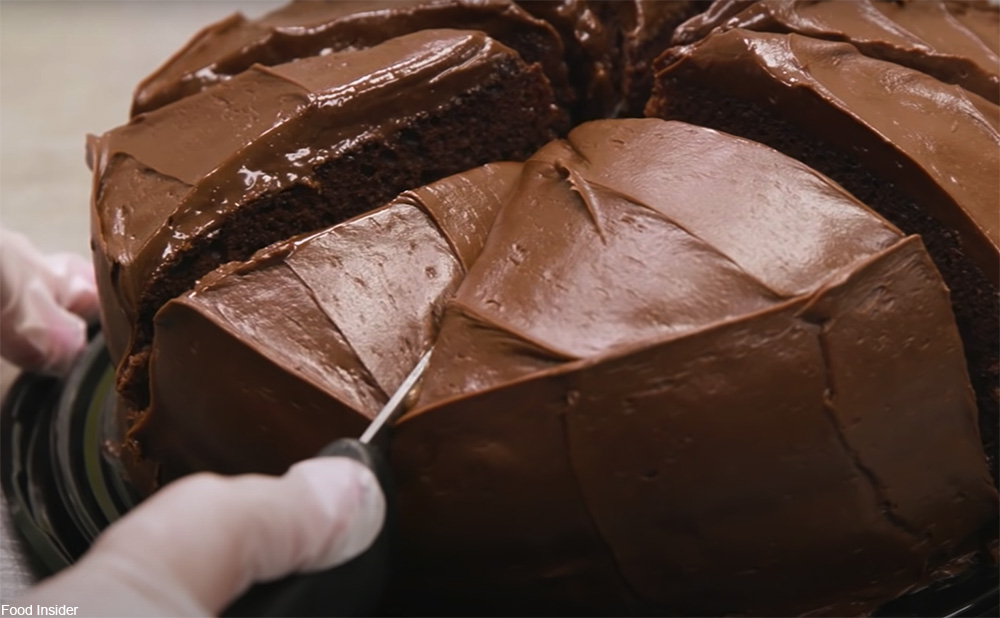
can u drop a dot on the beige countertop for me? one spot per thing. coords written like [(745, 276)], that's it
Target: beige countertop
[(68, 69)]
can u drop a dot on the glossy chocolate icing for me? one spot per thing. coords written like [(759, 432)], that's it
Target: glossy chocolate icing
[(304, 29), (169, 180), (937, 142), (921, 35), (315, 333), (606, 321)]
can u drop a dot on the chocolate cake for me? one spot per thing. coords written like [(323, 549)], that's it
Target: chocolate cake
[(922, 152), (291, 149), (309, 28), (606, 320), (674, 371)]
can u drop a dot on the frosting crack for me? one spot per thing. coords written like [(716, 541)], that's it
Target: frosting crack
[(369, 376), (571, 397), (884, 504)]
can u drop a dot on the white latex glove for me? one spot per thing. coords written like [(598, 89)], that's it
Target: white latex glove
[(201, 541), (45, 301)]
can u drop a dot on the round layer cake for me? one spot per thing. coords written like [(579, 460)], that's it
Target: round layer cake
[(672, 369)]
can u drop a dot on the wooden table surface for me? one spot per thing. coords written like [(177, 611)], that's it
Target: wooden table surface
[(68, 69)]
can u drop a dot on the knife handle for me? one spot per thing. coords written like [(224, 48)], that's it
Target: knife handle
[(355, 588)]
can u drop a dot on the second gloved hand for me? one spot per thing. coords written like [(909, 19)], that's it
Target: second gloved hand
[(45, 301), (201, 541)]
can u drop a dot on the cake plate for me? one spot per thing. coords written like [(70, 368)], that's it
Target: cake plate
[(63, 480)]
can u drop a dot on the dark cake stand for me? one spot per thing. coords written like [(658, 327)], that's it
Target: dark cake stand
[(63, 483)]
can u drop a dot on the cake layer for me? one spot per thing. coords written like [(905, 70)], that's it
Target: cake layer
[(921, 35), (921, 152), (290, 149), (303, 29), (638, 310)]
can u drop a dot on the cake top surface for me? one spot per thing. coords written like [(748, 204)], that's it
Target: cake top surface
[(936, 139), (599, 250)]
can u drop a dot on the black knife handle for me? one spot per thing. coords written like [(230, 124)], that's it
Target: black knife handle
[(355, 588)]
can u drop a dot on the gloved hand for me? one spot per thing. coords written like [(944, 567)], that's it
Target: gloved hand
[(201, 541), (45, 301)]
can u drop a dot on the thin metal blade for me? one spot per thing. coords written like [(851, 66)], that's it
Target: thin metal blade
[(397, 403)]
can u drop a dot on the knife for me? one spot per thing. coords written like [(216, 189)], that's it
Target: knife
[(357, 587)]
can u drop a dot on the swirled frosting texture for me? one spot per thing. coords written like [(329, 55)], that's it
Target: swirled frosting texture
[(670, 368)]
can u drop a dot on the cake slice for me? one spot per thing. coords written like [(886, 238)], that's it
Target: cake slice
[(920, 35), (303, 29), (291, 149), (921, 152)]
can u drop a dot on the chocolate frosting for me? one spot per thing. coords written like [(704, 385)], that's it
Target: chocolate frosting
[(921, 35), (303, 29), (337, 318), (606, 320), (937, 142), (647, 288), (168, 179)]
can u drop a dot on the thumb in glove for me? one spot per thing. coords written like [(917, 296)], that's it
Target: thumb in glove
[(45, 302), (201, 541)]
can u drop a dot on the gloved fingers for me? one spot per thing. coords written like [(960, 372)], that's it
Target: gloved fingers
[(71, 279), (39, 334), (200, 542), (44, 300)]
